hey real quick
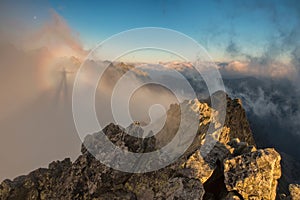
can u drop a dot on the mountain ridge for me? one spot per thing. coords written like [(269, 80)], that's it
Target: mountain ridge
[(215, 176)]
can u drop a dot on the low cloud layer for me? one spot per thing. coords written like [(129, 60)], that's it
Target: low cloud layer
[(256, 68), (273, 110), (278, 54)]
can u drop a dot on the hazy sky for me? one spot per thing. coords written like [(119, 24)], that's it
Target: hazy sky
[(237, 26)]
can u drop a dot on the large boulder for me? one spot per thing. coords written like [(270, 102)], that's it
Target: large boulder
[(253, 175)]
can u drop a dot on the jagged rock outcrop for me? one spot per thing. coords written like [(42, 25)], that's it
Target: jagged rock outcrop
[(87, 178), (225, 172), (253, 175), (235, 124), (235, 120)]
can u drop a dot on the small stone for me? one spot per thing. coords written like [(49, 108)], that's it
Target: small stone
[(294, 191)]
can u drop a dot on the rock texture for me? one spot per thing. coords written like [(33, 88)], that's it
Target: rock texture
[(232, 169), (295, 191), (253, 175), (87, 178)]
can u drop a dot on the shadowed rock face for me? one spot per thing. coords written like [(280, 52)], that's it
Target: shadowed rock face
[(230, 170)]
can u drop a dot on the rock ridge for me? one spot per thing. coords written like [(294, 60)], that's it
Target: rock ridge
[(233, 169)]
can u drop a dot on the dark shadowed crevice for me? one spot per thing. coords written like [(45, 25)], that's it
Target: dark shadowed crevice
[(215, 187)]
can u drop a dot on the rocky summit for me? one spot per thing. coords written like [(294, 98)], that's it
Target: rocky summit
[(233, 168)]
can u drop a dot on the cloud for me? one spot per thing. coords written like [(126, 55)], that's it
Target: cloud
[(36, 110), (35, 100), (256, 67), (280, 55), (58, 37)]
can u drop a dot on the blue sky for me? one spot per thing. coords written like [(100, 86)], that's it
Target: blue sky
[(214, 24), (247, 25)]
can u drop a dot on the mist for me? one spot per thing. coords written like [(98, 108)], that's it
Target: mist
[(38, 68), (37, 77), (36, 84), (267, 80)]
